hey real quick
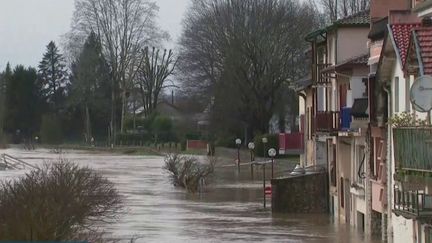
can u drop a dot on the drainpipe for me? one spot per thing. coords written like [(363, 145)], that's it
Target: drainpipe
[(305, 136), (389, 169)]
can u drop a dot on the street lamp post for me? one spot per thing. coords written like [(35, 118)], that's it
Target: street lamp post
[(251, 147), (264, 185), (272, 154), (238, 143), (264, 141)]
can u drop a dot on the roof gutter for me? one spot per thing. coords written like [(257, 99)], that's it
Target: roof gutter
[(418, 53), (395, 47)]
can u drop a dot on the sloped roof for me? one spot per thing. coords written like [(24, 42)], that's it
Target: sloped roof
[(353, 61), (303, 83), (360, 18), (401, 35), (423, 37)]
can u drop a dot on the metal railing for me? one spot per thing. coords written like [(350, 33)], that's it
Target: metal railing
[(319, 77), (416, 203), (327, 121), (10, 162), (413, 148)]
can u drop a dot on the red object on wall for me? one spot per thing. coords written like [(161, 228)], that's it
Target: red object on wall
[(196, 144)]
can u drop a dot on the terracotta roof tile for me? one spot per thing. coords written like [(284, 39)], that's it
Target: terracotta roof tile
[(402, 36), (359, 18), (424, 38)]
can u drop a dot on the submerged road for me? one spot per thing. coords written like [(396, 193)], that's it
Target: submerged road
[(230, 209)]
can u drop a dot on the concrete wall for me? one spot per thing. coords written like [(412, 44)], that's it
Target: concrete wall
[(352, 42), (300, 194), (403, 230)]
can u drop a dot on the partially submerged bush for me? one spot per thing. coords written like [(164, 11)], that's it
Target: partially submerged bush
[(188, 172), (60, 201)]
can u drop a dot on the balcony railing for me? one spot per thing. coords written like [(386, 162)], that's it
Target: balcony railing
[(412, 203), (327, 121), (318, 76), (412, 148)]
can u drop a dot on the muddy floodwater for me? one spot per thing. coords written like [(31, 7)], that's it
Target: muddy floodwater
[(230, 209)]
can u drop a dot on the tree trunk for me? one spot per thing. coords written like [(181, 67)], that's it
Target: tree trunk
[(123, 112), (88, 124), (113, 115)]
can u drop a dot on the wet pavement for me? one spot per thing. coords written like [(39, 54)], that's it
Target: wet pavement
[(229, 210)]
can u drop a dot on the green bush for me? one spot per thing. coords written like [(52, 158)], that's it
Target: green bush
[(134, 139), (193, 136), (227, 142), (273, 142), (51, 130), (162, 130)]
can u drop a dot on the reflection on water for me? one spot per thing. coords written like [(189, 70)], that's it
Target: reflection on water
[(229, 210)]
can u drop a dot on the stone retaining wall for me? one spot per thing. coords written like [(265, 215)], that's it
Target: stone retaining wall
[(301, 194)]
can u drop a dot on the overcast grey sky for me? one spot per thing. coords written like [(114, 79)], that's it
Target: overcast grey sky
[(26, 26)]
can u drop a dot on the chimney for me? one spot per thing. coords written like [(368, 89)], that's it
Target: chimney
[(381, 8)]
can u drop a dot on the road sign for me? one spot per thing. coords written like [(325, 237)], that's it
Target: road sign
[(268, 190)]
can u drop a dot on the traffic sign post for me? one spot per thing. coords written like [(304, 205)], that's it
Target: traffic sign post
[(268, 190)]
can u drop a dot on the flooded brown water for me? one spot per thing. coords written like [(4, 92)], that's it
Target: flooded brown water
[(229, 210)]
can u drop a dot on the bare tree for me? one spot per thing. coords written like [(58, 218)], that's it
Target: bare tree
[(61, 201), (334, 9), (241, 52), (124, 27), (153, 75)]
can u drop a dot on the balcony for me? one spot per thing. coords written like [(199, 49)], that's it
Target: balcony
[(412, 149), (412, 204), (327, 121), (291, 143), (318, 76)]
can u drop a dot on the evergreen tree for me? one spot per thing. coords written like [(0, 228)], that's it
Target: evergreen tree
[(23, 102), (90, 87), (53, 77), (4, 79)]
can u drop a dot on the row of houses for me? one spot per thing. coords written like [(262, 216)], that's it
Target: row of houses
[(362, 69)]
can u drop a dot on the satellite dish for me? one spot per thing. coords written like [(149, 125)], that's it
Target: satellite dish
[(421, 94)]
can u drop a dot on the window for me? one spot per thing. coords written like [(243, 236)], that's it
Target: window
[(366, 85), (396, 94)]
